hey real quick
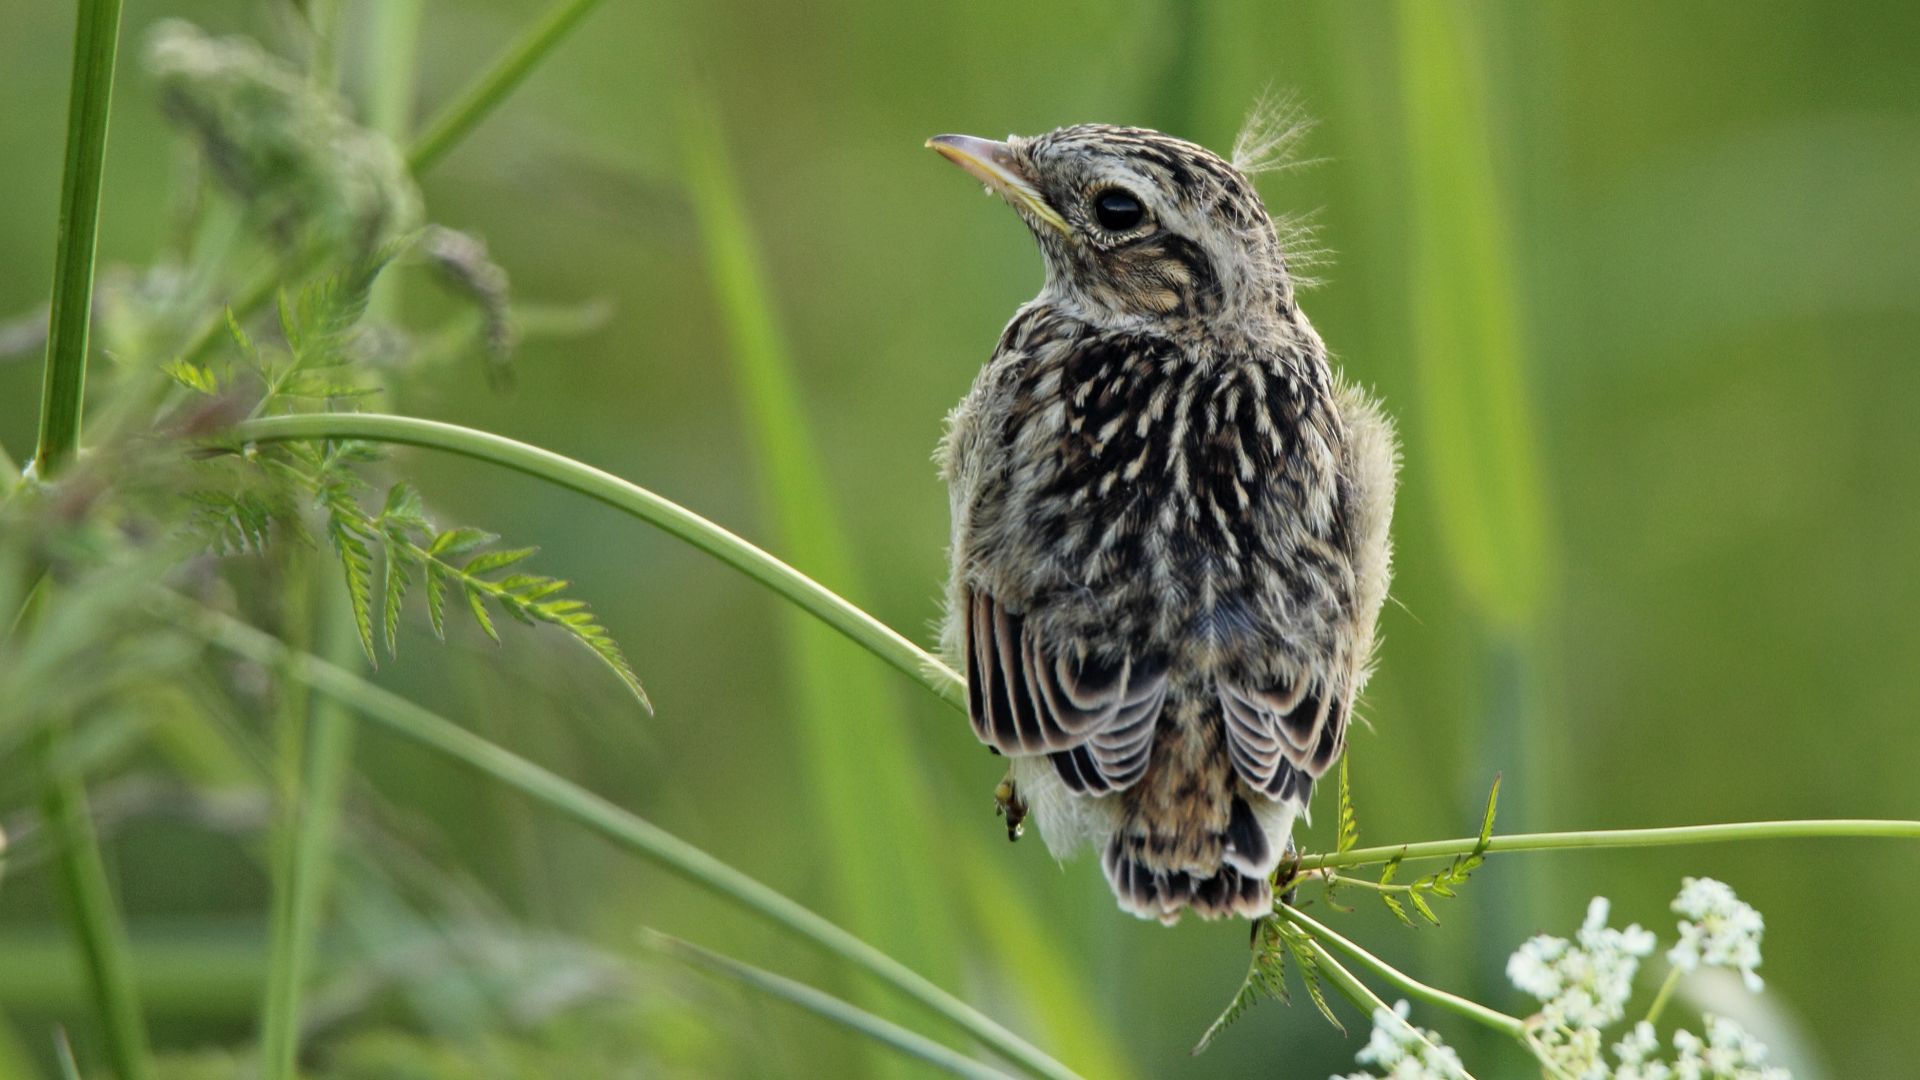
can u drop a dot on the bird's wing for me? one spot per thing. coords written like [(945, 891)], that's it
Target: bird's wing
[(1282, 738), (1093, 716)]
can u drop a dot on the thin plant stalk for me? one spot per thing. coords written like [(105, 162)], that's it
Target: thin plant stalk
[(1858, 828), (620, 826), (485, 93), (1507, 1025), (865, 630), (96, 922), (880, 1030)]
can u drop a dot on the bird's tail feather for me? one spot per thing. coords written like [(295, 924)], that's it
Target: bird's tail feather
[(1165, 895)]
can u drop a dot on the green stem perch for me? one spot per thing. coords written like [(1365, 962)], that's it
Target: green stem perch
[(880, 1030), (621, 827), (870, 633), (1868, 828), (1511, 1026)]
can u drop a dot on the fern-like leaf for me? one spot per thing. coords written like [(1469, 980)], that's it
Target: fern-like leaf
[(356, 559), (1297, 943), (1266, 978)]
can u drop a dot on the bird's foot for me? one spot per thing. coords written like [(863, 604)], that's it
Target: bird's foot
[(1008, 804)]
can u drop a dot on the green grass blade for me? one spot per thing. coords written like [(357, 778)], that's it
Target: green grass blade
[(857, 756), (619, 826), (89, 898), (493, 86), (884, 1032), (323, 753), (96, 41), (812, 597), (1476, 418)]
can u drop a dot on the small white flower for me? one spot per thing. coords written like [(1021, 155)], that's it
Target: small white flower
[(1532, 967), (1717, 929), (1634, 1050), (1405, 1052), (1729, 1052)]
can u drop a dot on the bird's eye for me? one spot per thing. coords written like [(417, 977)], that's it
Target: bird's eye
[(1117, 210)]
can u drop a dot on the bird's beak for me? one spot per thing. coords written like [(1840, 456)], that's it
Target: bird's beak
[(994, 164)]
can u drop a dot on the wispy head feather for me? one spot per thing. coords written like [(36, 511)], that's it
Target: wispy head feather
[(1269, 138)]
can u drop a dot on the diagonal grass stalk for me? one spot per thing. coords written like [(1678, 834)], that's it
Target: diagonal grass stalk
[(865, 630), (620, 826), (880, 1030), (484, 94), (854, 752)]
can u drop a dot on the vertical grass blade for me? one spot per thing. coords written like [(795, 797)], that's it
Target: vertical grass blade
[(877, 828), (96, 41), (492, 87), (1476, 418), (1475, 428), (96, 922), (89, 898)]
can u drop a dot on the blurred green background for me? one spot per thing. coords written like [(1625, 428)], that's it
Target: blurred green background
[(1640, 281)]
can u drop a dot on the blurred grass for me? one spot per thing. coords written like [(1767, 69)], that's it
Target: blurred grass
[(870, 806)]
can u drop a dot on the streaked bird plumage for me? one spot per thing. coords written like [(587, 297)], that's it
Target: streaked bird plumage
[(1169, 544)]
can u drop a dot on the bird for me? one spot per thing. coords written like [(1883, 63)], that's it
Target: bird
[(1170, 540)]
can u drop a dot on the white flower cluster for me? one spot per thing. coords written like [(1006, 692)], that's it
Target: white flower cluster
[(1583, 986), (1718, 930), (1404, 1052), (1729, 1052)]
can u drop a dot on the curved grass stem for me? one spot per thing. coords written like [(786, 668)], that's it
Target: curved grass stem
[(817, 600), (623, 828)]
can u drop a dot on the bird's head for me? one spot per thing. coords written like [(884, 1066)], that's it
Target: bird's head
[(1136, 226)]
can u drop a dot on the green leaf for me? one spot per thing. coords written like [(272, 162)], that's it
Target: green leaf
[(1309, 967), (1349, 835), (476, 601), (1486, 823), (394, 586), (356, 560), (460, 541), (248, 350), (1394, 906), (494, 560), (1266, 978), (437, 598), (1420, 905), (192, 376)]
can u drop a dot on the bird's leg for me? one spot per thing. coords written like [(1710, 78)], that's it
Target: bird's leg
[(1286, 876), (1008, 804)]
